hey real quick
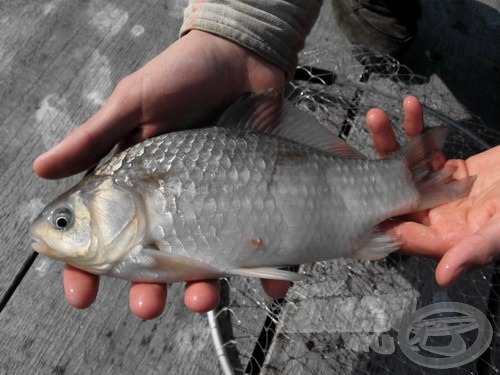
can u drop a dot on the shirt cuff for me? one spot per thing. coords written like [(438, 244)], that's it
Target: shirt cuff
[(275, 30)]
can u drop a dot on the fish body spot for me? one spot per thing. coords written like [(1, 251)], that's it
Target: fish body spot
[(257, 242)]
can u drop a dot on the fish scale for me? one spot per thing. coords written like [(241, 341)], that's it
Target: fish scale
[(248, 173)]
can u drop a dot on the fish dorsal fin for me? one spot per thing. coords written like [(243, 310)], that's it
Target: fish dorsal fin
[(269, 113)]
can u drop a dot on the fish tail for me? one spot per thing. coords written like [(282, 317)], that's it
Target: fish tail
[(436, 187)]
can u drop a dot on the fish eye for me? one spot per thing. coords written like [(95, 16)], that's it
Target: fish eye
[(62, 218)]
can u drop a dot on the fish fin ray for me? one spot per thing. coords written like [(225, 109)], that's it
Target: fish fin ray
[(190, 268), (376, 245), (269, 113), (267, 273), (419, 151), (151, 265), (441, 189), (257, 112), (435, 187)]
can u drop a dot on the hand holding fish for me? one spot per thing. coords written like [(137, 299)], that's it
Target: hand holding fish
[(193, 79), (264, 187), (464, 233)]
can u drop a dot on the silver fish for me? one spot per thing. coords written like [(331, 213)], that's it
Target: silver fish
[(245, 197)]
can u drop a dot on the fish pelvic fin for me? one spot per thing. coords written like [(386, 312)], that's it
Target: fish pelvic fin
[(376, 245), (435, 187), (267, 112)]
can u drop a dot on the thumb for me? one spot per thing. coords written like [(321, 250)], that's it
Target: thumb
[(477, 250), (91, 141)]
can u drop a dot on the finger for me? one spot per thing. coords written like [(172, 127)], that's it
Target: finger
[(478, 250), (414, 117), (147, 301), (275, 288), (414, 125), (202, 296), (80, 287), (90, 142), (138, 135), (418, 239), (383, 135)]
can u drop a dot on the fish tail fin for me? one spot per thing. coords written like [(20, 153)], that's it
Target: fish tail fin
[(436, 187)]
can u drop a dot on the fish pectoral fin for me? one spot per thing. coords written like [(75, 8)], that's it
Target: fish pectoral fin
[(266, 273), (151, 265), (187, 269), (181, 268)]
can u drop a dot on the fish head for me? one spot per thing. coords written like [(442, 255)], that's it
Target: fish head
[(62, 230), (91, 227)]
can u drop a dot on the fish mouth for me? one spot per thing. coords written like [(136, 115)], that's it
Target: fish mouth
[(40, 246)]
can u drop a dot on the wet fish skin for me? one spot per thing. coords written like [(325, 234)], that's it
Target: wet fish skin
[(230, 200), (252, 186)]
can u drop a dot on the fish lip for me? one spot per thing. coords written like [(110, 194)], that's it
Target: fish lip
[(39, 245)]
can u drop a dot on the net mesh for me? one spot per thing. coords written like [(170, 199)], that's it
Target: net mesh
[(335, 321)]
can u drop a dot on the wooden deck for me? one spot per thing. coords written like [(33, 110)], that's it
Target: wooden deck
[(59, 60)]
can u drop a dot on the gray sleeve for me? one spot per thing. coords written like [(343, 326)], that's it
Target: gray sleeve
[(273, 29)]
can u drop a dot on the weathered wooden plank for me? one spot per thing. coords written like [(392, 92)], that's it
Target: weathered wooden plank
[(41, 334)]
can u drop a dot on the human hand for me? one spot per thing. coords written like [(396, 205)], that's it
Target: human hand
[(186, 85), (464, 233), (189, 83)]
